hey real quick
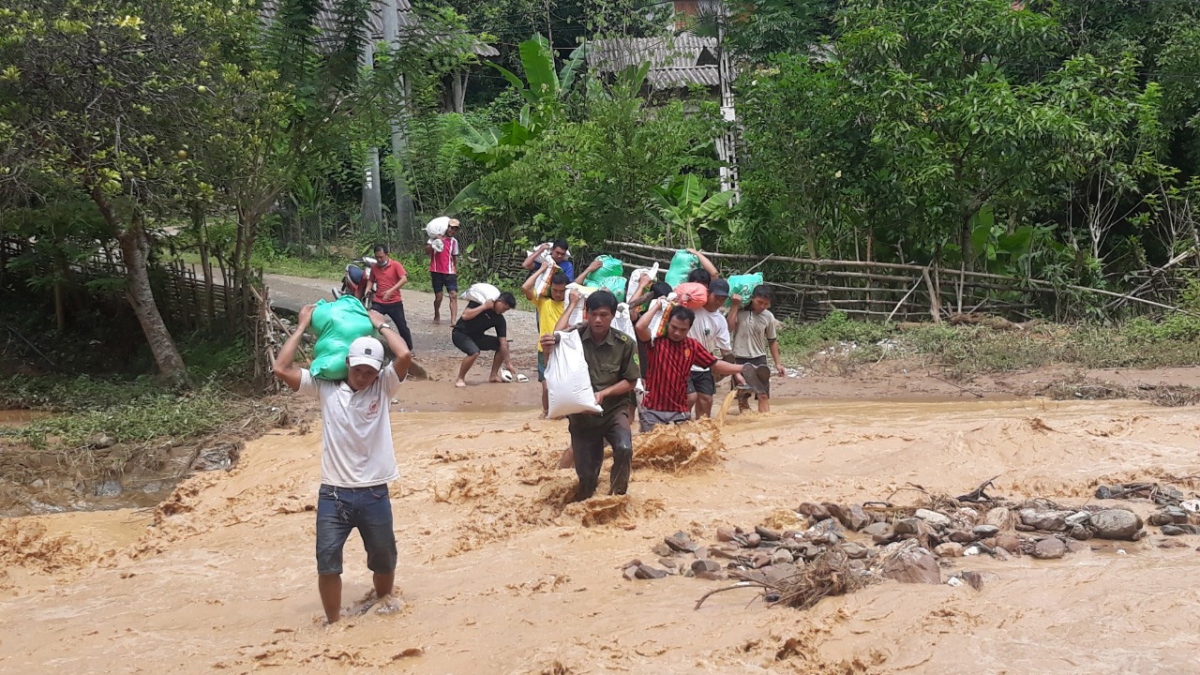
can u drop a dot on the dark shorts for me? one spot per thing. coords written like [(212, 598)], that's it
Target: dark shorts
[(541, 367), (473, 344), (340, 510), (648, 419), (756, 361), (702, 382), (447, 281)]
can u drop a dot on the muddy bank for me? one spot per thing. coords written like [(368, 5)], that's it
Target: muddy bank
[(501, 575)]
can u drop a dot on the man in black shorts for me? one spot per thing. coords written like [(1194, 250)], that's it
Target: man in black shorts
[(443, 270), (470, 335)]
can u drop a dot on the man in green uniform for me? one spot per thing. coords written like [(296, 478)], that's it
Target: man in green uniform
[(614, 372)]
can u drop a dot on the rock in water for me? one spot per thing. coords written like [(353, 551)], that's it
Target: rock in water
[(999, 517), (648, 572), (1051, 521), (710, 566), (913, 565), (878, 532), (680, 541), (949, 549), (1050, 548), (726, 533), (814, 511), (854, 551), (985, 531), (1116, 524), (218, 457), (932, 517)]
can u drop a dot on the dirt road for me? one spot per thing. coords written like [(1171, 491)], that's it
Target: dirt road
[(501, 577), (434, 350)]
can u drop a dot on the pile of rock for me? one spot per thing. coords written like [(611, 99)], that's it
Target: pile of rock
[(1177, 515), (880, 541)]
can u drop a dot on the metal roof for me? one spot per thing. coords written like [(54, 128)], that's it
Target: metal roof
[(675, 61), (410, 24)]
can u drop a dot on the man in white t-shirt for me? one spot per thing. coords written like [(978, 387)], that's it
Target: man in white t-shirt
[(711, 330), (358, 459)]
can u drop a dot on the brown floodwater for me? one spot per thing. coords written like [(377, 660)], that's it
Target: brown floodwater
[(499, 577)]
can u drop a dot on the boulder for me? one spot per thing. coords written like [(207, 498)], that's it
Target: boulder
[(218, 457), (1116, 524), (767, 534), (1177, 530), (662, 550), (752, 540), (854, 551), (962, 536), (710, 566), (1050, 521), (648, 572), (781, 556), (878, 531), (1080, 533), (1009, 542), (985, 531), (814, 511), (907, 526), (999, 517), (949, 549), (726, 533), (776, 574), (933, 517), (912, 565), (1050, 548), (852, 517), (680, 541)]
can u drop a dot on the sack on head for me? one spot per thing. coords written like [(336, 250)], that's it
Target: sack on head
[(337, 324)]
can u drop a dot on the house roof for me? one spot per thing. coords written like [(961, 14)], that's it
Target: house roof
[(409, 21), (675, 61)]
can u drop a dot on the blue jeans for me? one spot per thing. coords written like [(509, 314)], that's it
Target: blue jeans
[(340, 510)]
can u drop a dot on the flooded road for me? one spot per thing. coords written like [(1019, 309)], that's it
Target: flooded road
[(501, 577)]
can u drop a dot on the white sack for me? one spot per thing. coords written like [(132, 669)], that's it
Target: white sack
[(567, 380), (481, 293), (635, 279), (437, 244), (623, 322), (576, 317), (661, 310), (437, 227)]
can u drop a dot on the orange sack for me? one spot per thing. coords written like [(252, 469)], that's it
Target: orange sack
[(692, 295)]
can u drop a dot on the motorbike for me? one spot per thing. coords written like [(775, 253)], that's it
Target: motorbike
[(356, 281)]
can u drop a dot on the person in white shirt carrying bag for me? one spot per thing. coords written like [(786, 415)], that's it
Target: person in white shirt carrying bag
[(358, 459)]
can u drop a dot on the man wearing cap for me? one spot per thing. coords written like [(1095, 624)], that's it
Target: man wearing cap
[(358, 458), (711, 330), (443, 270), (671, 359)]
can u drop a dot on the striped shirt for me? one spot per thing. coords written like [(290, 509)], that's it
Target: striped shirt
[(670, 366)]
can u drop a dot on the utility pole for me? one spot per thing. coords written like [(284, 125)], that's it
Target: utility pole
[(404, 204), (372, 192), (728, 142)]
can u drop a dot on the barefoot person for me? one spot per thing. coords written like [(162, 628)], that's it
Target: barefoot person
[(549, 310), (358, 459), (610, 358), (470, 336), (443, 269), (670, 368), (753, 332), (388, 278)]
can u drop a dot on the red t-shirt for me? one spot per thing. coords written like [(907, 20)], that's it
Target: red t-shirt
[(385, 278), (444, 262), (670, 367)]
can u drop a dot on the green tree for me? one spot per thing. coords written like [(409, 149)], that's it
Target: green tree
[(106, 98)]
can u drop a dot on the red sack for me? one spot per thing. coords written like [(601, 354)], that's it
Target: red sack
[(692, 295)]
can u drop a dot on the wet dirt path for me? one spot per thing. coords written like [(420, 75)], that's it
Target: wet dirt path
[(501, 578)]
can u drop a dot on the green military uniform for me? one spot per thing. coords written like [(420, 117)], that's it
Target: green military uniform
[(609, 361)]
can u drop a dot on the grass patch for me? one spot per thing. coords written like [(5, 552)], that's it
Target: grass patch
[(964, 351)]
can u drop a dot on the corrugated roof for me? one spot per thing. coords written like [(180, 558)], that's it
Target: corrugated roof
[(410, 24), (675, 61)]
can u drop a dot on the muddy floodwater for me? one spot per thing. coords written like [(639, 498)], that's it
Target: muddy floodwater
[(501, 576)]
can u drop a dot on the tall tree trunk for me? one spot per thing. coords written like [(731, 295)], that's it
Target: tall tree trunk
[(135, 251)]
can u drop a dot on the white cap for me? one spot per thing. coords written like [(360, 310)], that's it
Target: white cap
[(366, 351)]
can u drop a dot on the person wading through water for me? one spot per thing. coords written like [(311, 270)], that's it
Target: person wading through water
[(358, 459), (614, 372)]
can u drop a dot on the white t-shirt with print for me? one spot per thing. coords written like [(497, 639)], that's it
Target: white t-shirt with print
[(711, 330), (357, 449)]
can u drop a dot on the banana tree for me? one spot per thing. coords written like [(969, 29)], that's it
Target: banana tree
[(684, 204), (544, 91)]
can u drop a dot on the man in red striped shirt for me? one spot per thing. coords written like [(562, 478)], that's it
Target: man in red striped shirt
[(670, 367)]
